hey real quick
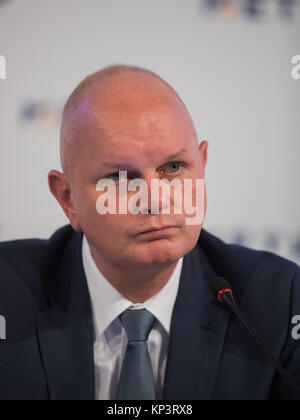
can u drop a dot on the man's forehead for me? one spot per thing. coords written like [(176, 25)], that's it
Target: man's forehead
[(121, 122), (138, 116), (132, 141), (134, 138)]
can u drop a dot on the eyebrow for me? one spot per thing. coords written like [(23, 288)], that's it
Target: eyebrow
[(121, 165)]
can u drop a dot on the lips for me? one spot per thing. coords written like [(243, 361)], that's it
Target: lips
[(160, 229)]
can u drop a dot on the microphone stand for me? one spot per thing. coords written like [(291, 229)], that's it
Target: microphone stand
[(230, 301)]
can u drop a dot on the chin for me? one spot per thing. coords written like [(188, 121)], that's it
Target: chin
[(161, 251)]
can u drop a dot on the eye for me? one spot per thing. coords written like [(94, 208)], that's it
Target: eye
[(115, 176), (175, 167)]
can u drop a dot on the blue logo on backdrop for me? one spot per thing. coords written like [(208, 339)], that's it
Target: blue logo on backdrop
[(42, 114), (251, 9)]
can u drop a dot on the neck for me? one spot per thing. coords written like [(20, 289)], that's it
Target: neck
[(141, 284)]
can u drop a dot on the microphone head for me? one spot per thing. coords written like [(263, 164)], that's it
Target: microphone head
[(217, 284)]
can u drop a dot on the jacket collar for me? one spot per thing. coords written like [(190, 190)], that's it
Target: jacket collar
[(65, 328), (198, 332)]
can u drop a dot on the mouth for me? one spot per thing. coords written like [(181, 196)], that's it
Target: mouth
[(159, 231)]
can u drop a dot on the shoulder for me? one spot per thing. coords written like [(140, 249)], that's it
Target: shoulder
[(249, 269), (24, 264), (265, 285), (35, 250)]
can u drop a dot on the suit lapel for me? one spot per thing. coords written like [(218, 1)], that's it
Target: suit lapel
[(197, 335), (65, 329)]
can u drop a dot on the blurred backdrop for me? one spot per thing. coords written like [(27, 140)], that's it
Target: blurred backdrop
[(229, 60)]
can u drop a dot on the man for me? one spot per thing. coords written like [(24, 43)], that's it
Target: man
[(117, 306)]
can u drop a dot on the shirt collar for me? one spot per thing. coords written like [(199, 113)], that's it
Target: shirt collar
[(108, 303)]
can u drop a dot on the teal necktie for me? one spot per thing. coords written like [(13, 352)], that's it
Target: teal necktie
[(136, 380)]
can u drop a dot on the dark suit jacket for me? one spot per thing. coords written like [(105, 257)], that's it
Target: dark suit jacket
[(48, 351)]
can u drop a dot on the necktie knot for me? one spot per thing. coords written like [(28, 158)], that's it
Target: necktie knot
[(137, 323)]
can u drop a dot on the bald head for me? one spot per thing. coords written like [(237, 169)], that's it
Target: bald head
[(127, 119), (108, 99)]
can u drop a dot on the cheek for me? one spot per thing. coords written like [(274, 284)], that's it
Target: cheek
[(113, 223), (87, 201), (194, 194), (191, 233), (107, 232), (86, 208)]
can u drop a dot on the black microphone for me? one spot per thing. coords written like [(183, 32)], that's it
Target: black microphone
[(222, 290)]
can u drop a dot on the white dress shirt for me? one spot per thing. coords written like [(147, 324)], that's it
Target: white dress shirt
[(110, 336)]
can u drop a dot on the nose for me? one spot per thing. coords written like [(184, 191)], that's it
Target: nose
[(158, 196)]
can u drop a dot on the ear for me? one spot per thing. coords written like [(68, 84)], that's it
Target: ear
[(61, 190), (203, 152)]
